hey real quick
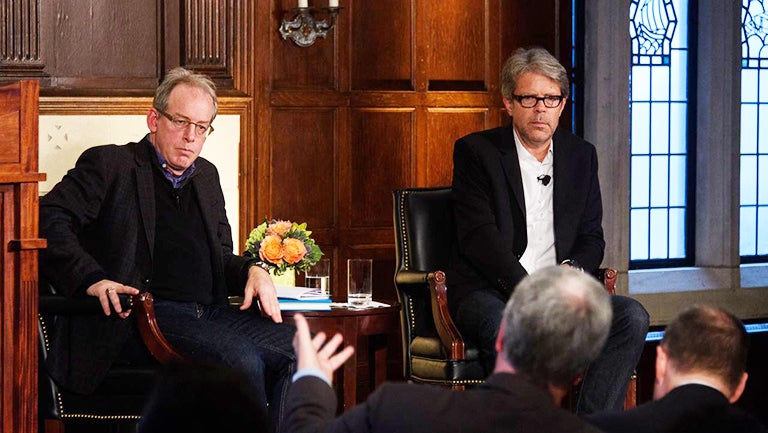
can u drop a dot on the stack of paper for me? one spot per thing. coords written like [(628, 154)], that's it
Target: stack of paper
[(302, 298)]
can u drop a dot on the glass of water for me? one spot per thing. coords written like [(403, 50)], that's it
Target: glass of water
[(319, 276), (359, 294)]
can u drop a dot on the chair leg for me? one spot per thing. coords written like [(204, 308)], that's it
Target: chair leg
[(53, 426)]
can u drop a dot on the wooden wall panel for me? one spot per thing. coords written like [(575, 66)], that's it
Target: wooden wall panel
[(296, 67), (89, 43), (302, 186), (458, 44), (444, 127), (379, 161), (382, 55)]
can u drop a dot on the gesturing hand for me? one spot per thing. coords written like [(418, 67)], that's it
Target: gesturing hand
[(312, 353), (106, 291)]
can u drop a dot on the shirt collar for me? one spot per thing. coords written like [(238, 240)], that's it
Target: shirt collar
[(525, 156), (176, 181)]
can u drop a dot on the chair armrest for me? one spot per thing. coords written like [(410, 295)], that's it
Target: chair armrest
[(446, 329), (608, 276), (410, 278), (156, 343)]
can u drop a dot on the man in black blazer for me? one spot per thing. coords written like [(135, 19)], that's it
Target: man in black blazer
[(554, 324), (527, 196), (700, 373), (149, 216)]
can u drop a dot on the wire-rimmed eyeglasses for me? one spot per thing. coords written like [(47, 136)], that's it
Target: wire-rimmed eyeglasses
[(530, 101), (201, 130)]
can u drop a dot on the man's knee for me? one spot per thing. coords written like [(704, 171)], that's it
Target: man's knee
[(630, 316)]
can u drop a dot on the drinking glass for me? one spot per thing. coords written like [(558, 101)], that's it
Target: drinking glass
[(319, 276), (359, 272)]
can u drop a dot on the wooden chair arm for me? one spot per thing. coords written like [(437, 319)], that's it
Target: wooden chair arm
[(158, 346), (446, 329), (608, 277)]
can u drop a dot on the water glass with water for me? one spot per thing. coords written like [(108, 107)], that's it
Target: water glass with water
[(359, 271)]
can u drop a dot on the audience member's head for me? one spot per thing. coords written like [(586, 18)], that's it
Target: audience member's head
[(203, 397), (703, 344), (536, 60), (555, 323)]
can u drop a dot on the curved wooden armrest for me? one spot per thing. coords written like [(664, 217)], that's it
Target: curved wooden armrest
[(608, 276), (156, 343), (446, 329)]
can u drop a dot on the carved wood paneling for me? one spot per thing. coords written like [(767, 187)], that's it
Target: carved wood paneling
[(382, 54), (20, 45), (444, 127), (303, 164), (208, 35), (381, 142)]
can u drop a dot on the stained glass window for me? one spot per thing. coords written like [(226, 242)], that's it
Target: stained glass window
[(659, 142), (753, 221)]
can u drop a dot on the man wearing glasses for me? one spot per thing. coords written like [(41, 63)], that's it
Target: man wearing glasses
[(527, 196), (149, 216)]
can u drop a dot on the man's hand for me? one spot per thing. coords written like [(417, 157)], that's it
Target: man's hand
[(106, 291), (311, 352), (260, 285)]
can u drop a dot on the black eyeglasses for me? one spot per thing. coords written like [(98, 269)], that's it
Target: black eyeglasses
[(180, 123), (530, 101)]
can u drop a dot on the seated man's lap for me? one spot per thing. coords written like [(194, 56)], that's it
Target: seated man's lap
[(221, 332)]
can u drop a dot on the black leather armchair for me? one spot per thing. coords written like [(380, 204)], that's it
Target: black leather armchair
[(433, 349), (119, 400)]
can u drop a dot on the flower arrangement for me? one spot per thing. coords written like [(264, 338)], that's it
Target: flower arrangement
[(283, 245)]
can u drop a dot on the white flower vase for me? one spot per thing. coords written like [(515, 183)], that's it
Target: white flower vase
[(288, 278)]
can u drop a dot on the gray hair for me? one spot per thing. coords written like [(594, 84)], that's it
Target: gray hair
[(177, 76), (555, 324), (536, 60)]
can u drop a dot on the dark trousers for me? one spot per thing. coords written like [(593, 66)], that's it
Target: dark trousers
[(244, 340), (605, 383)]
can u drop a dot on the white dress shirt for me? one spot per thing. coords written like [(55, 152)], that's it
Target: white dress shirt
[(539, 216)]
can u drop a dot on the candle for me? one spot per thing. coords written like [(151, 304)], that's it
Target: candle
[(333, 3), (303, 3)]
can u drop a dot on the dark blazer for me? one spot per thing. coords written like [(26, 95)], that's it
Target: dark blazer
[(490, 209), (505, 403), (100, 222), (687, 408)]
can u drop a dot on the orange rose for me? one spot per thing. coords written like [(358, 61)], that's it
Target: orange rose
[(293, 250), (271, 249), (279, 228)]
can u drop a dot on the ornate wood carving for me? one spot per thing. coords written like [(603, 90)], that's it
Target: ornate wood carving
[(208, 37), (20, 39)]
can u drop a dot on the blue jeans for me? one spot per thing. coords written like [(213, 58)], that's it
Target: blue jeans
[(605, 383), (244, 340)]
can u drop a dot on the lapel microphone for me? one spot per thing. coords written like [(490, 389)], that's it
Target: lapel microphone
[(544, 179)]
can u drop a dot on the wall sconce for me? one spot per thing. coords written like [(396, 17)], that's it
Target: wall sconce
[(303, 29)]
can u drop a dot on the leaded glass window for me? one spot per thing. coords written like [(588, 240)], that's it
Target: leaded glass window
[(753, 220), (660, 118)]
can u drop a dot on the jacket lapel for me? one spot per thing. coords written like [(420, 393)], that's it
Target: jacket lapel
[(511, 165), (146, 190)]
